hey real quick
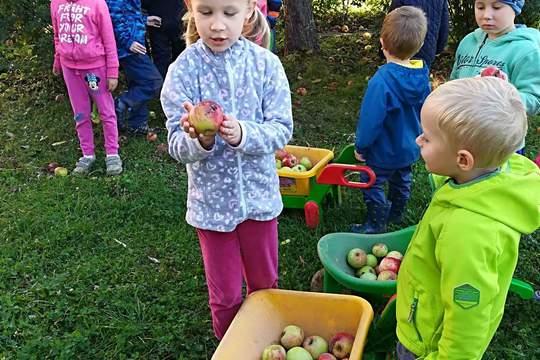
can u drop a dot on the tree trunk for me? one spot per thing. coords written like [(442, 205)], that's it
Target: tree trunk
[(300, 31)]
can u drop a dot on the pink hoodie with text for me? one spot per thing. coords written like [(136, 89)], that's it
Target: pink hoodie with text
[(83, 36)]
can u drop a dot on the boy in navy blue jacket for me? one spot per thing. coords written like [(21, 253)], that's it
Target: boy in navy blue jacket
[(390, 118), (437, 29), (143, 79)]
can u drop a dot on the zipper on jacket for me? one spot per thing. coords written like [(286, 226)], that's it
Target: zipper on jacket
[(229, 71), (479, 49), (412, 317)]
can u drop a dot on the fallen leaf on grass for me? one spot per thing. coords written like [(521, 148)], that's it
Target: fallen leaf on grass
[(153, 259), (302, 91), (121, 243), (316, 81), (10, 135), (58, 143)]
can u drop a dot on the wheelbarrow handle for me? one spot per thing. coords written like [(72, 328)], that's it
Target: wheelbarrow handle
[(334, 174), (523, 289)]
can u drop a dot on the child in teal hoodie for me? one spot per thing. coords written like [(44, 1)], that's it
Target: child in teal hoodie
[(514, 49)]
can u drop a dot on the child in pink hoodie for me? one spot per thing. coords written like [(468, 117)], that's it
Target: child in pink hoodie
[(85, 52)]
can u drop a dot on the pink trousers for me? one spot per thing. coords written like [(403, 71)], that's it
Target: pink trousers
[(249, 252), (83, 85)]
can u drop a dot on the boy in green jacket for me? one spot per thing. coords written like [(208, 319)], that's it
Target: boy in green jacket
[(514, 49), (454, 278)]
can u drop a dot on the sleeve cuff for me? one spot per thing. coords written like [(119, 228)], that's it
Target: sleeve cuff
[(243, 139), (112, 73)]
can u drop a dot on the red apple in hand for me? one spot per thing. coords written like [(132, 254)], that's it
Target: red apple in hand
[(493, 71), (206, 117)]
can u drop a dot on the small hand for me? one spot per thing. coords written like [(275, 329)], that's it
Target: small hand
[(230, 130), (359, 156), (206, 141), (56, 71), (154, 21), (137, 48), (112, 84)]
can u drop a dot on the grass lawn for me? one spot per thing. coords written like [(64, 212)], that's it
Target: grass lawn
[(107, 268)]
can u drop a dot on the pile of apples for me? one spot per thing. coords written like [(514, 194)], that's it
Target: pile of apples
[(368, 266), (293, 346), (287, 161)]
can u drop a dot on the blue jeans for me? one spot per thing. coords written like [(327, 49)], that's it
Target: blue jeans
[(144, 83), (399, 184)]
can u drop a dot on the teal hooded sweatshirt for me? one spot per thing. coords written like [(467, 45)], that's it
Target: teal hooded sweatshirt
[(517, 53)]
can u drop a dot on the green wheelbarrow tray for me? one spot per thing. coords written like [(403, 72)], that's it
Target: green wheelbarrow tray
[(333, 248)]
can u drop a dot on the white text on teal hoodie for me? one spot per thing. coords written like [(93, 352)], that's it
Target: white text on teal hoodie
[(517, 53)]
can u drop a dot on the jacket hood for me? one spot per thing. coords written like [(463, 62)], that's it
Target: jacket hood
[(407, 84), (520, 33), (510, 195)]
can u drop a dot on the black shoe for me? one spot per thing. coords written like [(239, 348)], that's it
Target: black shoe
[(141, 130)]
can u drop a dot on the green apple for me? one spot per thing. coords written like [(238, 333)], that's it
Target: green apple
[(368, 276), (304, 160), (371, 260), (365, 269), (298, 353), (278, 164), (356, 258), (299, 168), (60, 171), (315, 345)]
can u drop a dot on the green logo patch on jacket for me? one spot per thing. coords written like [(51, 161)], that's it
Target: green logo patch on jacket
[(466, 296)]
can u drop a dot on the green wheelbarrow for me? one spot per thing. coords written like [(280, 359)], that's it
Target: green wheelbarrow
[(338, 276), (333, 248)]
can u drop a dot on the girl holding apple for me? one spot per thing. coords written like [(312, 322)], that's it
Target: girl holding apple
[(233, 188)]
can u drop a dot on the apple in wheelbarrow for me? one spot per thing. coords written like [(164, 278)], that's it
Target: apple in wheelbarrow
[(274, 352), (357, 258), (315, 345), (289, 160), (326, 356), (292, 336), (341, 344), (298, 353)]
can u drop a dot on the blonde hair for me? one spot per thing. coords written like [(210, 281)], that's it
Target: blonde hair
[(403, 31), (483, 115), (256, 28)]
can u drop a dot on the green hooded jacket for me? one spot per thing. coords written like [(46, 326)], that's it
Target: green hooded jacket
[(455, 275), (517, 53)]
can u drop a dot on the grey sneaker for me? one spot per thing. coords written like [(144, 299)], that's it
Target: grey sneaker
[(114, 165), (83, 166)]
